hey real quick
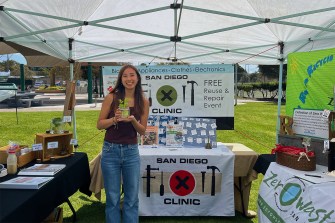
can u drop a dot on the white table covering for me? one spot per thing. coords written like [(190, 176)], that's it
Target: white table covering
[(187, 191), (288, 195)]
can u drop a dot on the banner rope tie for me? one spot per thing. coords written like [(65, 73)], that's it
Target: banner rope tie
[(92, 137), (257, 54), (247, 136)]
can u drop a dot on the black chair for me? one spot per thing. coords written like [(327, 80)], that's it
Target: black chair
[(263, 162)]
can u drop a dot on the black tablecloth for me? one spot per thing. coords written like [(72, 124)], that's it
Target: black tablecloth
[(19, 205)]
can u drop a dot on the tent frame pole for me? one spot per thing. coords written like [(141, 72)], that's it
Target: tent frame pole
[(71, 61), (281, 65)]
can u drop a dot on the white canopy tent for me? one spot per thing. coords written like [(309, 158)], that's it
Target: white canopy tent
[(190, 31)]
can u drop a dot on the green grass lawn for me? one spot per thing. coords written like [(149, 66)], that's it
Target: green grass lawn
[(255, 127)]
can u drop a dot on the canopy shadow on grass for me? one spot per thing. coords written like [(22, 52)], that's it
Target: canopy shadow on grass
[(95, 212)]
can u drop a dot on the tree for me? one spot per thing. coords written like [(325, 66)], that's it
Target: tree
[(255, 77), (14, 68), (242, 75), (63, 73), (59, 72), (95, 75), (271, 72)]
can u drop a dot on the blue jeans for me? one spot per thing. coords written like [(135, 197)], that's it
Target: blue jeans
[(121, 160)]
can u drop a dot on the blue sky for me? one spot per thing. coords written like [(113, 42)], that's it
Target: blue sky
[(16, 56), (250, 68)]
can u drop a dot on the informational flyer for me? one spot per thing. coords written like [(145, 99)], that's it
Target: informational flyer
[(310, 123), (174, 135), (150, 137)]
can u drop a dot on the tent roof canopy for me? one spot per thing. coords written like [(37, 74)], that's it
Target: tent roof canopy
[(190, 31)]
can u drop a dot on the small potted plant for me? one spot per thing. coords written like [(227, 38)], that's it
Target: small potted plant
[(57, 126), (124, 107)]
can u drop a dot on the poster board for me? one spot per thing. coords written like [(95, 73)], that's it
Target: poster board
[(196, 131), (199, 131), (313, 123)]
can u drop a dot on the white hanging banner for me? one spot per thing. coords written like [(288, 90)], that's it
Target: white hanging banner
[(185, 90)]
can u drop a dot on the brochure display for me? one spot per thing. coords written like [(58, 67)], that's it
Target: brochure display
[(42, 169), (25, 183), (150, 137), (161, 122), (174, 135)]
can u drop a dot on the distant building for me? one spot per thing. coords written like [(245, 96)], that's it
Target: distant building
[(4, 76)]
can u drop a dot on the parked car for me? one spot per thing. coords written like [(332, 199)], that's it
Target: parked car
[(38, 83)]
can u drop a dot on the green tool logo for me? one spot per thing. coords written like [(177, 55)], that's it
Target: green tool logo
[(166, 95)]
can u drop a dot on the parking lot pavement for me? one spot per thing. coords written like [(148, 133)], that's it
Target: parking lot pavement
[(55, 102)]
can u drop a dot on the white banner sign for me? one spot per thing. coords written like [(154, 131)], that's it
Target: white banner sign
[(185, 90), (184, 182)]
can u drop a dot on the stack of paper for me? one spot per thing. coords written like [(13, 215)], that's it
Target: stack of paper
[(42, 169), (25, 182)]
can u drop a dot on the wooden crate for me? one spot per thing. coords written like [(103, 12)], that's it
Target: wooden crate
[(21, 159), (26, 158), (64, 148)]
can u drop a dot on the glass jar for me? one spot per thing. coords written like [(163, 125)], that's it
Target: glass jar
[(124, 112), (11, 161), (56, 126)]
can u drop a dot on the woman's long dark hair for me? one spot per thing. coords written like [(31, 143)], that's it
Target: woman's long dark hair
[(119, 90)]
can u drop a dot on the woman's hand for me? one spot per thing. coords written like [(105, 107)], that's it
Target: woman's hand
[(117, 114), (119, 118), (130, 118)]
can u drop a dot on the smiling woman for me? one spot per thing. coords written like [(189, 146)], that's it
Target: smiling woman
[(120, 155)]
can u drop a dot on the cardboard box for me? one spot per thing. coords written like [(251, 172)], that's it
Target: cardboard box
[(56, 216), (21, 159), (63, 148)]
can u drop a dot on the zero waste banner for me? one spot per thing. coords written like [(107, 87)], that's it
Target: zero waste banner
[(310, 80), (186, 90), (285, 196)]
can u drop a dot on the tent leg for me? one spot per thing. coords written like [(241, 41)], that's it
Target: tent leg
[(281, 44), (17, 116)]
